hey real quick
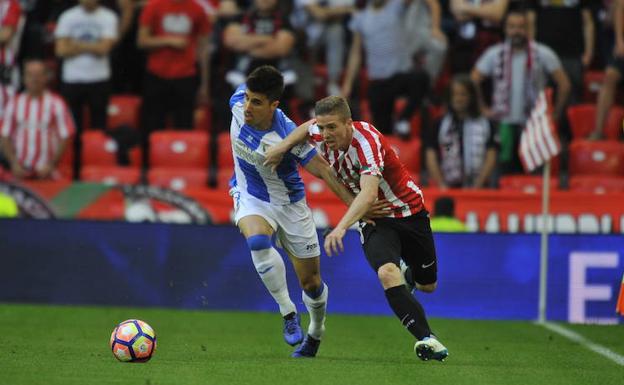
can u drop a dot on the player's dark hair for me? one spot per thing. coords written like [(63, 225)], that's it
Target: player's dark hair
[(333, 105), (471, 88), (266, 80)]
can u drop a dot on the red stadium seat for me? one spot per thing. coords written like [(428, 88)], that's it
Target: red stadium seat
[(124, 110), (178, 179), (597, 184), (407, 151), (224, 158), (529, 184), (98, 149), (110, 174), (582, 119), (592, 158), (179, 149)]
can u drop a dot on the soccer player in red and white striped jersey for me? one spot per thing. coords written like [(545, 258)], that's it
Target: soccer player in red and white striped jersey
[(369, 167), (11, 24), (36, 127)]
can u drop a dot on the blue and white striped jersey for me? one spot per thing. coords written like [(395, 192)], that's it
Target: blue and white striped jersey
[(249, 146)]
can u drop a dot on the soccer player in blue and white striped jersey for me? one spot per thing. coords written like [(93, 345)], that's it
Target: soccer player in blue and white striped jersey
[(268, 203)]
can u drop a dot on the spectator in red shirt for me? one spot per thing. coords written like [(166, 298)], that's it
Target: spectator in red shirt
[(176, 35), (11, 23), (36, 127)]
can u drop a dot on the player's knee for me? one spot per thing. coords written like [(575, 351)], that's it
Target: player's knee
[(259, 242), (429, 288), (389, 275), (311, 284)]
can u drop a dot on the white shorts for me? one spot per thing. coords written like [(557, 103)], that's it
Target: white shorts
[(293, 224)]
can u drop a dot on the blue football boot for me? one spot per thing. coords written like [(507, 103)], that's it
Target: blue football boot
[(292, 330)]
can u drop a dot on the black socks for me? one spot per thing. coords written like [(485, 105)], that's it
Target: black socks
[(409, 311)]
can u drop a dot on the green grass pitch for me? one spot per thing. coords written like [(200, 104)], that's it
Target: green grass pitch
[(69, 345)]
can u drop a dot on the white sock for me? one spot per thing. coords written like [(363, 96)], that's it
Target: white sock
[(270, 267), (317, 308)]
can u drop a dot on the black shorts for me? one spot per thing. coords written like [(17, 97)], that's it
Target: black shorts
[(409, 238)]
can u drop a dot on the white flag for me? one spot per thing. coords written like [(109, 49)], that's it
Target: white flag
[(539, 141)]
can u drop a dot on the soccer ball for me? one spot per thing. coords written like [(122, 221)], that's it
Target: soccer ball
[(133, 340)]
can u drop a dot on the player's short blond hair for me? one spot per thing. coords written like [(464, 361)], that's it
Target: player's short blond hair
[(333, 105)]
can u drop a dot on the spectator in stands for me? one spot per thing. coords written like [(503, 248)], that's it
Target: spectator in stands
[(519, 69), (11, 23), (478, 27), (613, 73), (128, 61), (424, 35), (443, 219), (263, 36), (85, 35), (36, 127), (176, 34), (324, 27), (568, 28), (379, 30), (461, 149)]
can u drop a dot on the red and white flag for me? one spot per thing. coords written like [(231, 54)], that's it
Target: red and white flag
[(539, 141)]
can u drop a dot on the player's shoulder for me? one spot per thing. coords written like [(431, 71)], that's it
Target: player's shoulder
[(238, 96), (366, 131), (282, 124)]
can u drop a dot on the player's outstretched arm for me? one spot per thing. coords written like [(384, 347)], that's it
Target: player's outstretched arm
[(319, 167), (274, 154), (369, 185)]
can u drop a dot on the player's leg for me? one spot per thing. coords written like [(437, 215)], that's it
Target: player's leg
[(314, 292), (314, 295), (297, 234), (419, 255), (271, 269), (382, 247)]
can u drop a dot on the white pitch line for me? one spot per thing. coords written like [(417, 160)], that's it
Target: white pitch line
[(573, 336)]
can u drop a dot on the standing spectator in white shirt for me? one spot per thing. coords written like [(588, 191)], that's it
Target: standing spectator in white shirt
[(85, 35), (36, 127)]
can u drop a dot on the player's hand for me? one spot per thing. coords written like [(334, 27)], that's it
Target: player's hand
[(273, 157), (333, 242), (379, 209)]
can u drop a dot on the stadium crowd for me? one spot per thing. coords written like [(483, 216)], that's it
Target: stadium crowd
[(138, 90)]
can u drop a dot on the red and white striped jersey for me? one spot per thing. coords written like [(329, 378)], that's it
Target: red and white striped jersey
[(10, 16), (36, 126), (370, 154)]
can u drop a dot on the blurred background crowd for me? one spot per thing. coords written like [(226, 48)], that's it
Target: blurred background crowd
[(137, 91)]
